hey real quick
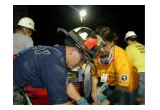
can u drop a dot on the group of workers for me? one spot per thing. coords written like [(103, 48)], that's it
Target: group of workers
[(121, 71)]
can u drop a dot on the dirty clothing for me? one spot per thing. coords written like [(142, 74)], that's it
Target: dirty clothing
[(43, 67), (21, 42)]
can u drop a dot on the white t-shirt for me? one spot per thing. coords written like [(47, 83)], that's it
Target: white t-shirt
[(21, 42)]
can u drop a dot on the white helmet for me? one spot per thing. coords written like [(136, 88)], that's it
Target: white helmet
[(130, 34), (26, 22)]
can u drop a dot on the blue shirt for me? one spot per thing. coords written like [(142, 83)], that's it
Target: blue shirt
[(43, 66)]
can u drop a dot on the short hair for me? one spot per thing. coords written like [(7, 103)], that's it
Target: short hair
[(69, 42), (132, 39)]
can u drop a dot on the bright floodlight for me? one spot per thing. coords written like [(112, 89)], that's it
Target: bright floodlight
[(82, 14)]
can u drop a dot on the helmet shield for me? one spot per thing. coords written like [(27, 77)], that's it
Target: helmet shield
[(86, 41)]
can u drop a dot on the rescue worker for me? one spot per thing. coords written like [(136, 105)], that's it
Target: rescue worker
[(113, 67), (136, 51), (22, 38), (46, 66)]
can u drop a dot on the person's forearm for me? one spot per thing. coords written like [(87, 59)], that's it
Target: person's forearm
[(94, 82), (72, 92), (94, 89)]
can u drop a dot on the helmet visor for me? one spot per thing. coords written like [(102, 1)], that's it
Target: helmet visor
[(86, 40)]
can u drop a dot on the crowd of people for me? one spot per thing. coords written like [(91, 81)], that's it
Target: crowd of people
[(113, 75)]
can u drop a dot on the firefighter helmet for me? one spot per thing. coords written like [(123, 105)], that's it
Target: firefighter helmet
[(85, 40)]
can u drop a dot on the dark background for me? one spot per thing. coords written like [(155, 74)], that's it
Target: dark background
[(47, 18)]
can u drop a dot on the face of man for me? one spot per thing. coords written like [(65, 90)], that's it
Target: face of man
[(75, 58)]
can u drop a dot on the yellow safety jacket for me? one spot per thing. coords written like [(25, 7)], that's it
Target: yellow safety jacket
[(136, 52), (121, 70)]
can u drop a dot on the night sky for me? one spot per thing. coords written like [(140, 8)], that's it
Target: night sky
[(120, 18)]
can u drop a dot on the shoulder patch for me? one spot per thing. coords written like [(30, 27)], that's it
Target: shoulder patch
[(124, 77)]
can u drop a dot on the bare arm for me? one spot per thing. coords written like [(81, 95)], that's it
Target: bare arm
[(94, 89), (72, 92)]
